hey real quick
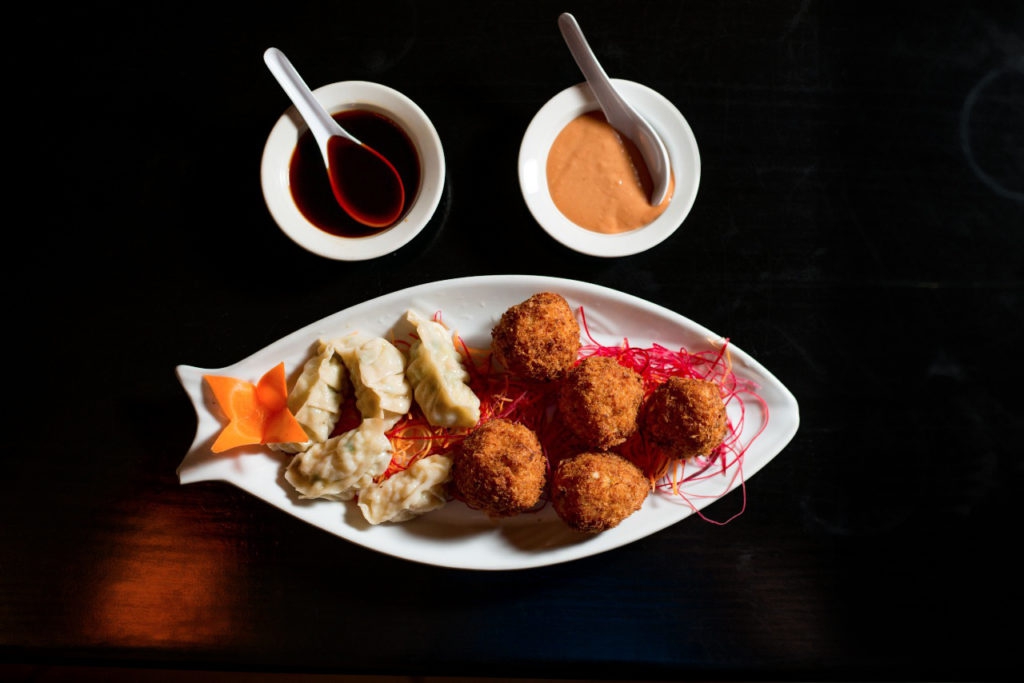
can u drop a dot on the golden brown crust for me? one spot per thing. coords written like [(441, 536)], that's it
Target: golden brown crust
[(500, 468), (685, 416), (595, 491), (538, 338), (599, 401)]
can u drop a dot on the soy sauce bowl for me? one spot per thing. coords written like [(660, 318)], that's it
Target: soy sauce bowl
[(409, 118), (575, 101)]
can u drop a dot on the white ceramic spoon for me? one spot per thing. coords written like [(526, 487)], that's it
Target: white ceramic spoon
[(364, 182), (617, 110)]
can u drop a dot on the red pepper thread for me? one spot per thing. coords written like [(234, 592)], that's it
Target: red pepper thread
[(534, 404)]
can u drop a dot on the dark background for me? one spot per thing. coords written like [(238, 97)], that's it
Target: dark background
[(859, 230)]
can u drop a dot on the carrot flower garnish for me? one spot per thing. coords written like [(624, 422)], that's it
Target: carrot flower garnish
[(257, 413)]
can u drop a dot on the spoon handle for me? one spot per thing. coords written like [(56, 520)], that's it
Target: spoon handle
[(320, 123), (616, 109)]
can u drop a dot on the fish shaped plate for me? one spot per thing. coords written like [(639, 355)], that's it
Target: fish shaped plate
[(456, 536)]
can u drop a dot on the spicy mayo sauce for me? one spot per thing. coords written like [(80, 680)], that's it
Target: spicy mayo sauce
[(598, 179)]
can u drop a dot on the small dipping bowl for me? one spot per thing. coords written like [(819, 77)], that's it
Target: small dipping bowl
[(336, 97), (575, 101)]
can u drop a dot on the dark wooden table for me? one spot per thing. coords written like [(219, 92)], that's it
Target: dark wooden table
[(859, 230)]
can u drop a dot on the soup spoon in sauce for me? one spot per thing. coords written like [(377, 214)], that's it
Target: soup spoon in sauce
[(619, 113), (365, 183)]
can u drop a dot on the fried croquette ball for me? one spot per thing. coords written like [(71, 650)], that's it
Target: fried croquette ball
[(595, 491), (685, 416), (500, 468), (599, 401), (538, 338)]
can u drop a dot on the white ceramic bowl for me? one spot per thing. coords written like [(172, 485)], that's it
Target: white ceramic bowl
[(572, 102), (284, 136)]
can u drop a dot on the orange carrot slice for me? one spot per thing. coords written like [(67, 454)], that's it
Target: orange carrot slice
[(257, 413)]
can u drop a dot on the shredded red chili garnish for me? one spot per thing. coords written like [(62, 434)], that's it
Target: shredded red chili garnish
[(533, 404)]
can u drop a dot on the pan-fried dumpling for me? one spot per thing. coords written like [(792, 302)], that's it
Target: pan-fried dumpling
[(317, 397), (408, 493), (376, 369), (339, 467), (439, 379)]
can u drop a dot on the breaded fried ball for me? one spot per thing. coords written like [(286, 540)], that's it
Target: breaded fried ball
[(595, 491), (599, 401), (685, 416), (500, 468), (538, 338)]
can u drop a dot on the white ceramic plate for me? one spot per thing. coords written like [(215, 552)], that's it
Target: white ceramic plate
[(456, 536), (337, 97), (572, 102)]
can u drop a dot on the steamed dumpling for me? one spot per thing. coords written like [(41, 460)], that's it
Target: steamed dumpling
[(339, 467), (439, 379), (376, 369), (317, 397), (408, 493)]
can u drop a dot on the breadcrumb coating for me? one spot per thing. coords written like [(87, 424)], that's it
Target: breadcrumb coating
[(500, 468), (594, 491), (599, 401), (685, 416), (538, 338)]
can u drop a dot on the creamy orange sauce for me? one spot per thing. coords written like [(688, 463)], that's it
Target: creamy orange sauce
[(598, 179)]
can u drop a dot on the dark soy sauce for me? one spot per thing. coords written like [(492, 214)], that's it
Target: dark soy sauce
[(311, 187), (365, 183)]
